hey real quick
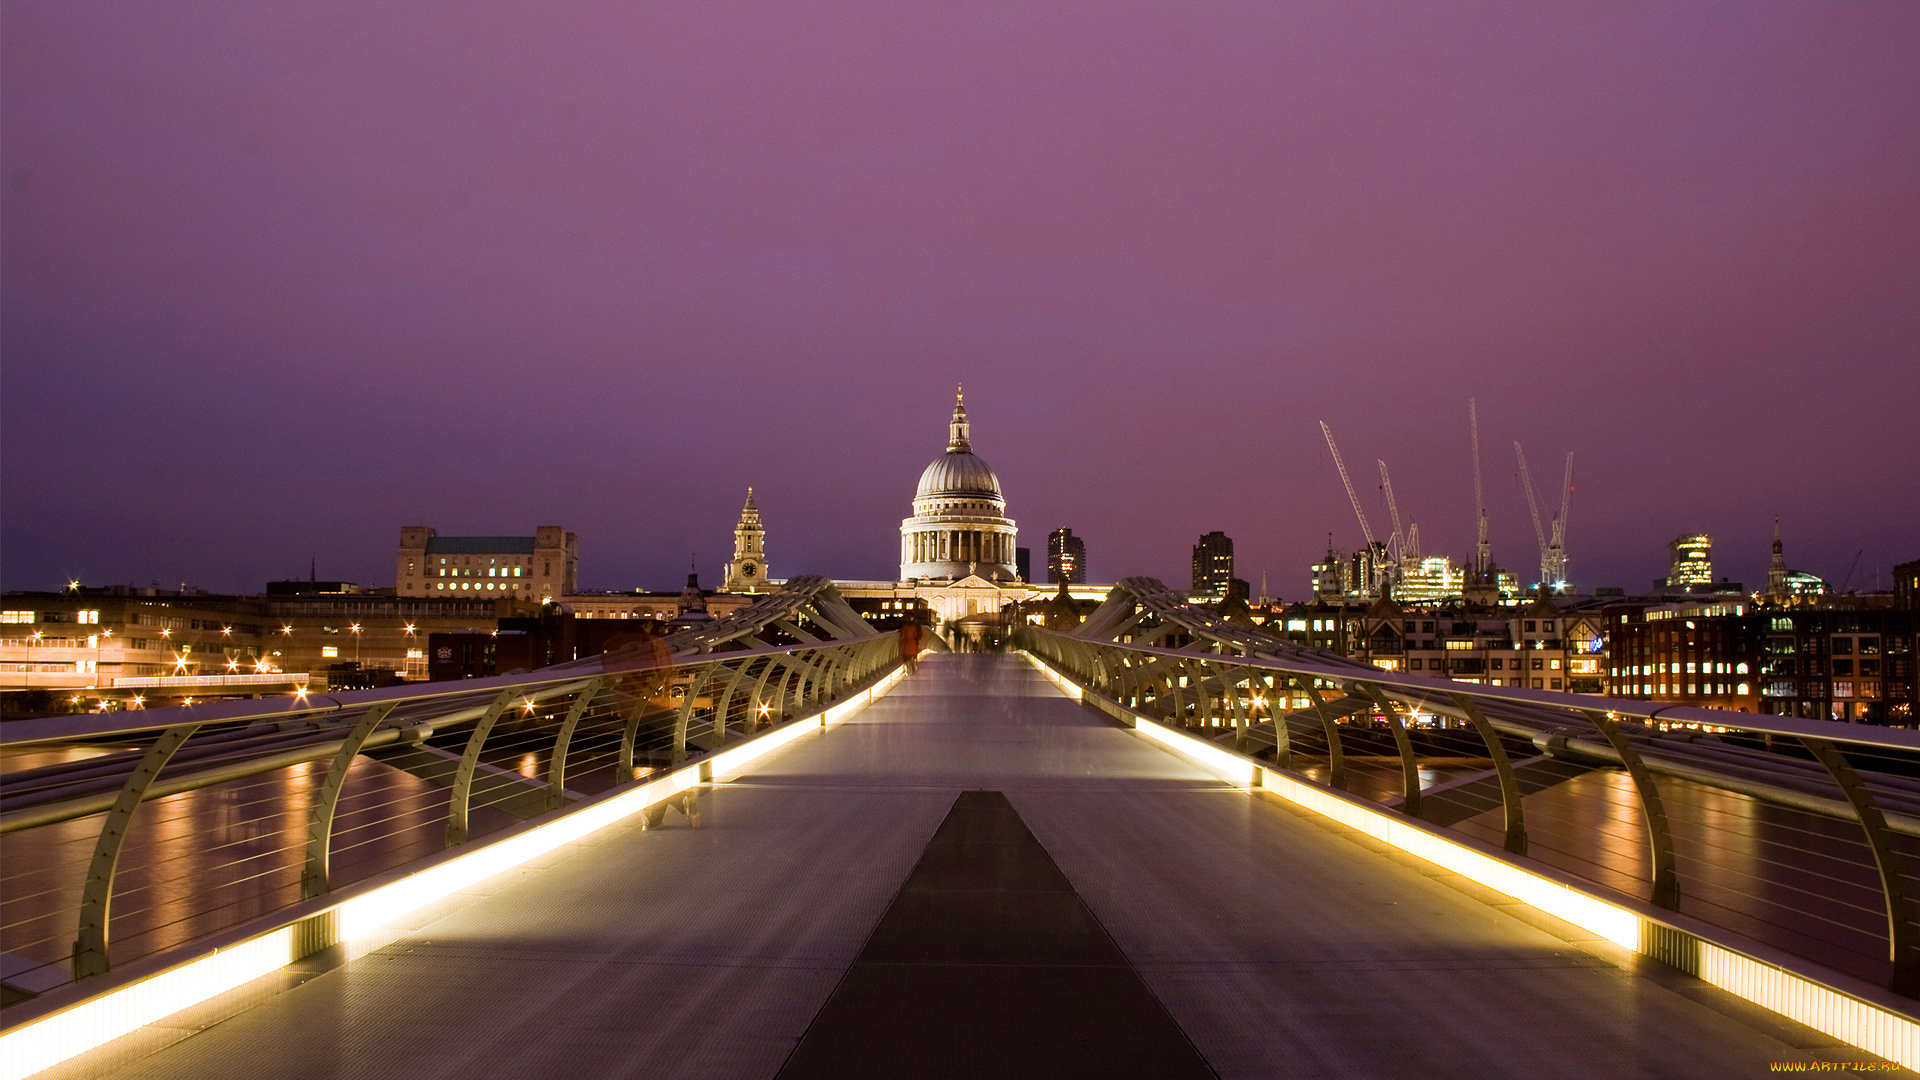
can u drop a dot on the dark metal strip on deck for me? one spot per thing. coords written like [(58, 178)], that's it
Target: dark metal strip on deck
[(987, 964)]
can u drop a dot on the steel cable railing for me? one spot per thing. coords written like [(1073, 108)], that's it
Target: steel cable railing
[(1798, 834), (438, 767)]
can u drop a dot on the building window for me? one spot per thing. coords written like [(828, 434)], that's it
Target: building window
[(329, 650), (1842, 687), (86, 616), (16, 616)]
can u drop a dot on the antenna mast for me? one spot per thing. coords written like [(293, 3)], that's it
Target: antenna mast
[(1482, 552)]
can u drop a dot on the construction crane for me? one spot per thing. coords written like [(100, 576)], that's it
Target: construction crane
[(1533, 507), (1557, 550), (1405, 543), (1553, 553), (1482, 551), (1366, 530)]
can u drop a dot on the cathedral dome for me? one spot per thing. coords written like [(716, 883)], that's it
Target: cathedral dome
[(959, 528), (958, 473)]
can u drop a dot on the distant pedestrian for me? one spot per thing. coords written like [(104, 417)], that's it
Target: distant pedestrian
[(910, 646)]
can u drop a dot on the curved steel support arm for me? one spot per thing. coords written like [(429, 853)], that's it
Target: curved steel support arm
[(1409, 763), (1230, 678), (685, 714), (1282, 737), (313, 878), (1516, 825), (96, 896), (1666, 880), (726, 702), (1903, 951), (562, 743), (457, 826), (758, 701), (1336, 757)]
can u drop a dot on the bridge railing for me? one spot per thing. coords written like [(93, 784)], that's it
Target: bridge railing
[(131, 834), (1798, 834)]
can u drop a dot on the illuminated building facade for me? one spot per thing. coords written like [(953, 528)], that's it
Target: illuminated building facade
[(1213, 565), (1066, 558), (1823, 663), (1692, 561), (539, 568)]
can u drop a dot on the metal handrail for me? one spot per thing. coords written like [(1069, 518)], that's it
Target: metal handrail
[(846, 655), (1223, 675)]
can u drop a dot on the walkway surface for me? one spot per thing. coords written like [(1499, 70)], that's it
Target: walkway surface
[(1270, 942)]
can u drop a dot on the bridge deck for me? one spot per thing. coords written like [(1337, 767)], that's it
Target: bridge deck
[(1278, 944)]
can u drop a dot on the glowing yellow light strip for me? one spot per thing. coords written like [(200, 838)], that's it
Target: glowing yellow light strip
[(1797, 997), (1233, 766), (48, 1042), (52, 1039)]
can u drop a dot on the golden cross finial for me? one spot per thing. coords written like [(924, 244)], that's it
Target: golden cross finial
[(959, 394)]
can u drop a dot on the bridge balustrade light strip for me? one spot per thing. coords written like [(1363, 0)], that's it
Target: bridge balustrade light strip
[(619, 734), (1768, 855)]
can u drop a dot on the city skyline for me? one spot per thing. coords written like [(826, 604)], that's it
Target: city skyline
[(271, 295)]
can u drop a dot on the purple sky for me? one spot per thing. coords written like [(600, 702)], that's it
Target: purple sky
[(282, 278)]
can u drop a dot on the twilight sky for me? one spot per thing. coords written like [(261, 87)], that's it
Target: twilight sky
[(278, 279)]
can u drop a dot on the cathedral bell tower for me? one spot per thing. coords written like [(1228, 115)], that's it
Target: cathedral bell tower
[(747, 572)]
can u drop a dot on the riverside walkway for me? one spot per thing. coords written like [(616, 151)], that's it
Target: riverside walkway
[(974, 877)]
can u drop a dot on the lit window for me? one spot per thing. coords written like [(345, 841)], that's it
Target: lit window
[(329, 650), (86, 616), (16, 616)]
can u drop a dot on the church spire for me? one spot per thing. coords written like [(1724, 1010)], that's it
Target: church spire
[(957, 440), (1777, 571)]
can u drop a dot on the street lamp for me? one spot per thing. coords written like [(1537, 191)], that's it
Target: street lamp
[(99, 647), (356, 643)]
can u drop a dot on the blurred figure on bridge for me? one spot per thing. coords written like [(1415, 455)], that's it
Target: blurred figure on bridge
[(910, 645)]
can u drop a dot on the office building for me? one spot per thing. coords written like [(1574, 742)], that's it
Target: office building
[(539, 568), (1213, 565), (1066, 558)]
